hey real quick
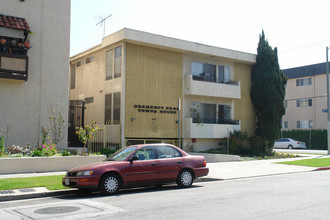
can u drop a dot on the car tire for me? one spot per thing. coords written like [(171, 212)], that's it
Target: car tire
[(290, 147), (185, 178), (110, 184)]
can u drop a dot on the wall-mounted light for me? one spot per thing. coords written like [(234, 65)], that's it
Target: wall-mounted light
[(132, 119)]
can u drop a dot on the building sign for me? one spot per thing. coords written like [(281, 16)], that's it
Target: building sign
[(156, 109)]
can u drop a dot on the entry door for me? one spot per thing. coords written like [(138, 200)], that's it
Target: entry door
[(143, 170)]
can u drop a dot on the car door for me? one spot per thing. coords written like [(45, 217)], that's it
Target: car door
[(282, 143), (169, 163), (143, 170)]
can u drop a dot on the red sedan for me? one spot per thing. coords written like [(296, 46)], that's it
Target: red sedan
[(148, 164)]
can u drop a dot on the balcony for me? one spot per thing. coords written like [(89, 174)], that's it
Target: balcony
[(13, 66), (209, 130), (203, 86)]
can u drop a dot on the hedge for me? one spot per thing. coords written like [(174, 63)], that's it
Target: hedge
[(316, 138)]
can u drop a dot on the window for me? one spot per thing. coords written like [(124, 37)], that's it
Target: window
[(90, 59), (89, 100), (285, 124), (305, 124), (224, 74), (116, 107), (286, 104), (203, 71), (117, 62), (108, 109), (304, 82), (112, 108), (224, 114), (73, 76), (304, 102), (203, 113), (167, 152), (80, 63), (109, 64), (146, 153)]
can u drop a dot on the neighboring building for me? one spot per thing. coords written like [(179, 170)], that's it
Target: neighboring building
[(135, 79), (33, 81), (306, 98)]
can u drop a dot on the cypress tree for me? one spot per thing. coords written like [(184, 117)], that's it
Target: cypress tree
[(267, 92)]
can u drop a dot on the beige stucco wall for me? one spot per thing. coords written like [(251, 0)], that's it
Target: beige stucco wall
[(91, 82), (244, 110), (317, 92), (153, 78), (25, 105)]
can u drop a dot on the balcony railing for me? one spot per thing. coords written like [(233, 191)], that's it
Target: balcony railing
[(206, 130), (214, 79), (215, 121)]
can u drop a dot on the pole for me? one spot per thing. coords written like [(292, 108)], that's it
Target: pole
[(328, 100), (179, 123)]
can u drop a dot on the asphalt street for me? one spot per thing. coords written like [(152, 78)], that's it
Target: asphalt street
[(288, 196)]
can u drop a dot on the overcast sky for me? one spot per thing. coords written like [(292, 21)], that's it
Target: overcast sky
[(300, 29)]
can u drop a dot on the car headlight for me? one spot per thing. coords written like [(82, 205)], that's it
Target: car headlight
[(85, 173)]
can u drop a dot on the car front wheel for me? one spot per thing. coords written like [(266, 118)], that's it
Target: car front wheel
[(110, 184), (185, 178)]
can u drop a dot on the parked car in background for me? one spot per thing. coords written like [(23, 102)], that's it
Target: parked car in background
[(289, 143), (138, 165)]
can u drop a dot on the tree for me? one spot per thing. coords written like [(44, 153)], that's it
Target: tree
[(267, 92)]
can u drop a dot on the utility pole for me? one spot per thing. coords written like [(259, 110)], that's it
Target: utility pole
[(328, 100), (179, 123)]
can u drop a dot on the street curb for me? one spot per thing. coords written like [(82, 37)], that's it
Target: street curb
[(322, 168), (37, 195)]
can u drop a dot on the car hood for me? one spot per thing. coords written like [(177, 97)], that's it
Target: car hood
[(94, 166)]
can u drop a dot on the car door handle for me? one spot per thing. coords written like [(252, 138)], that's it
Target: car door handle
[(179, 162), (153, 164)]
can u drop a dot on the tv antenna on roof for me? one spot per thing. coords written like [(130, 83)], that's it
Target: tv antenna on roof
[(102, 22)]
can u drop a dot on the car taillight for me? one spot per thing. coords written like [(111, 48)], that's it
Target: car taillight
[(298, 142), (204, 163)]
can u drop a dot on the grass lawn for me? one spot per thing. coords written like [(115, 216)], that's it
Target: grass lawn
[(318, 162), (50, 182)]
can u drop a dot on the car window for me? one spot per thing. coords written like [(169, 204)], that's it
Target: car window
[(146, 153), (167, 152), (122, 154)]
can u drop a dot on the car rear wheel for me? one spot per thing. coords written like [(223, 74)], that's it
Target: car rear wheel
[(110, 184), (185, 178), (290, 147)]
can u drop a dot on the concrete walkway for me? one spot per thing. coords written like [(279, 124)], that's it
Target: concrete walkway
[(218, 171)]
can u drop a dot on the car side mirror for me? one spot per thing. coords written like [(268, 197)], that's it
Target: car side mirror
[(134, 158)]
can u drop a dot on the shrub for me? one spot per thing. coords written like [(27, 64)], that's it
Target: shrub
[(15, 149), (87, 133), (314, 139), (2, 144), (241, 144), (238, 143), (46, 150), (65, 153), (107, 151)]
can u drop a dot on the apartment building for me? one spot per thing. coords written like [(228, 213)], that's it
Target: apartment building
[(34, 51), (306, 98), (136, 79)]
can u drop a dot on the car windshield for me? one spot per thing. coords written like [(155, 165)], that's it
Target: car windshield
[(121, 154)]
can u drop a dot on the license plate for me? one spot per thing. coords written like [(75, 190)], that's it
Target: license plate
[(67, 182)]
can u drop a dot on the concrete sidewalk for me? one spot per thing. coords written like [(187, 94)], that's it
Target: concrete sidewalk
[(218, 171)]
